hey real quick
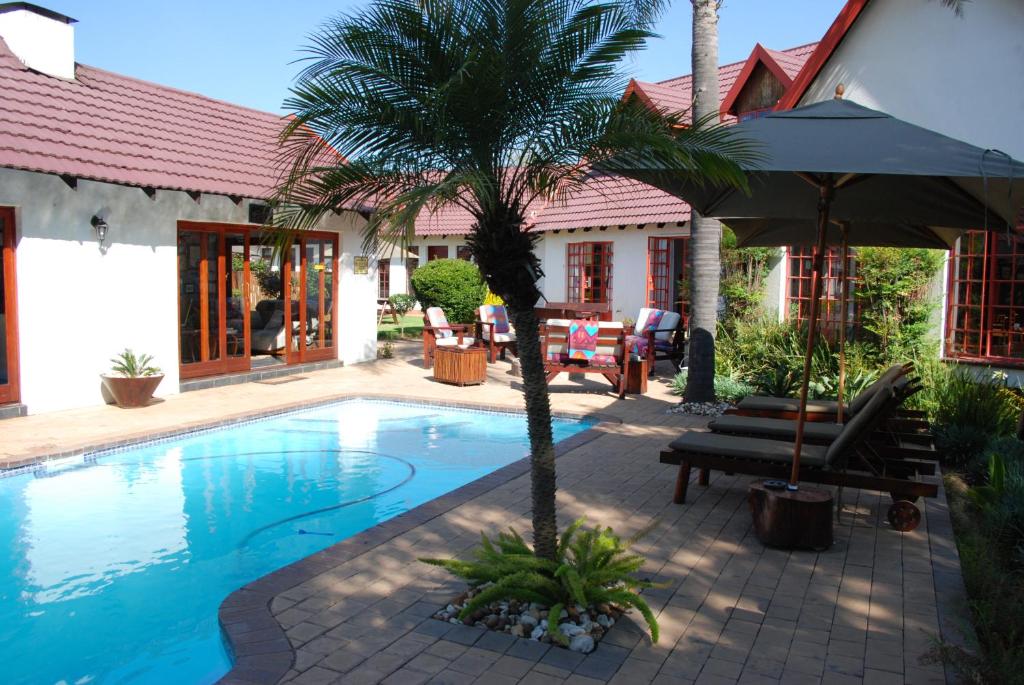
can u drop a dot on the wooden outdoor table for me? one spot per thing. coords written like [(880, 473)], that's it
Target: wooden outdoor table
[(601, 311), (460, 366)]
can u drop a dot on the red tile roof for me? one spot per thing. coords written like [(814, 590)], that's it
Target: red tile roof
[(108, 127), (676, 94), (612, 201)]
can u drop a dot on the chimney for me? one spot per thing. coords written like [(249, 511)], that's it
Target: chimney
[(42, 39)]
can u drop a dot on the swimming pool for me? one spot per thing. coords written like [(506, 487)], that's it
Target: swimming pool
[(112, 566)]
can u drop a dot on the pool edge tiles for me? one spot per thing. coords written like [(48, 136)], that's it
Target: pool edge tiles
[(19, 465), (256, 640)]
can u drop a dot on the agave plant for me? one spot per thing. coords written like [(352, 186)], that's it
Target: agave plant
[(591, 567), (130, 365)]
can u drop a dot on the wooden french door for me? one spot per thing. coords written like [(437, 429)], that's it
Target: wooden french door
[(213, 299), (311, 291), (9, 387)]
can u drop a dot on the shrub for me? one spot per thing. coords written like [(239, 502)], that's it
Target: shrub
[(963, 400), (727, 389), (454, 285), (962, 447), (591, 567)]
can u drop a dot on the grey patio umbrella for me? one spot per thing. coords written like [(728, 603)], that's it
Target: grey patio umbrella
[(837, 161)]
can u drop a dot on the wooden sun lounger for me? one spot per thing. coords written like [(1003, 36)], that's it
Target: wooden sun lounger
[(819, 464), (817, 410)]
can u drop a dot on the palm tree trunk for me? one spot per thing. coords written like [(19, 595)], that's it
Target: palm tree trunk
[(705, 234), (504, 253), (538, 421)]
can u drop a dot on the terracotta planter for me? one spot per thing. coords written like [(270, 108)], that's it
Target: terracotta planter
[(131, 392)]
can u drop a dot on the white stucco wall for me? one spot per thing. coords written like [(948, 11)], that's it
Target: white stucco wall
[(629, 263), (916, 60), (79, 305)]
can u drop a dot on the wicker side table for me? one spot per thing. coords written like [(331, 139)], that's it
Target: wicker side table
[(460, 366)]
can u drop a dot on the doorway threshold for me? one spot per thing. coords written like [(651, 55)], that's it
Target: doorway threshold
[(255, 375), (12, 411)]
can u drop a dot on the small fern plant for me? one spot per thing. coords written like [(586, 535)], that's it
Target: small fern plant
[(592, 567), (130, 365)]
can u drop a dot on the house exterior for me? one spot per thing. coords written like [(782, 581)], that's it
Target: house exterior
[(130, 217)]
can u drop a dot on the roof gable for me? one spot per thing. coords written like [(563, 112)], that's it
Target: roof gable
[(758, 56)]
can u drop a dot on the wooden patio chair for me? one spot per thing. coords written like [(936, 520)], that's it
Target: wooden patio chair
[(437, 332), (494, 330), (609, 356), (659, 335), (818, 463)]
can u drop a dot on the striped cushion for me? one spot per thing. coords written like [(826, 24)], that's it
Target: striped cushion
[(495, 314), (437, 319)]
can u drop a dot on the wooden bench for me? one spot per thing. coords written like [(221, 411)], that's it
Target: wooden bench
[(611, 359)]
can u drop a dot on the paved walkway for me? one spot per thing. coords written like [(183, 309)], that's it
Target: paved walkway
[(732, 611)]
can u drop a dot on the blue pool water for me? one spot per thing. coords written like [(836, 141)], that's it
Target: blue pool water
[(112, 568)]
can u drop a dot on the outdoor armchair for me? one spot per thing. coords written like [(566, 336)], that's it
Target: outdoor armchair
[(659, 334), (437, 332), (494, 330)]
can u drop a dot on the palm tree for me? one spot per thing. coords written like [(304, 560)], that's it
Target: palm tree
[(491, 105), (705, 234)]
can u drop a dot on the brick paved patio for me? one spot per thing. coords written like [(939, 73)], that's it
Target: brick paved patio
[(732, 611)]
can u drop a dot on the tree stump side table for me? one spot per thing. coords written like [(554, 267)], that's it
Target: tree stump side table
[(636, 382), (791, 519), (460, 366)]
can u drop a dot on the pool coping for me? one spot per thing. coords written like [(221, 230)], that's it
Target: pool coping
[(258, 644)]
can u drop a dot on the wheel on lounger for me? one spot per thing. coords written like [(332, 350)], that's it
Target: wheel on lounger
[(904, 516)]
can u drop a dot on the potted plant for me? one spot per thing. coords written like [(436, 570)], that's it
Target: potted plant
[(133, 379)]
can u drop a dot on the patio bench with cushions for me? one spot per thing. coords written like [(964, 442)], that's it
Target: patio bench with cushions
[(659, 335), (437, 332), (585, 346), (494, 330), (818, 463)]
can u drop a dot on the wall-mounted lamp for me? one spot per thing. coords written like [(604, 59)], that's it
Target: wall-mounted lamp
[(101, 227)]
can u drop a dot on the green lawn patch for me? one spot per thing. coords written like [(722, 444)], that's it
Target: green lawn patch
[(389, 330)]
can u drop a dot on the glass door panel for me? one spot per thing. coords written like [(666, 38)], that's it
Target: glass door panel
[(311, 293), (213, 301), (189, 297), (209, 269), (239, 303), (8, 311)]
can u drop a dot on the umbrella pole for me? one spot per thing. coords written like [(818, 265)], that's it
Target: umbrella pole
[(825, 192), (843, 285)]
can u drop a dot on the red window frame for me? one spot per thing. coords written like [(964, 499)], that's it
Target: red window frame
[(383, 279), (588, 272), (985, 299), (800, 263), (659, 270), (437, 252)]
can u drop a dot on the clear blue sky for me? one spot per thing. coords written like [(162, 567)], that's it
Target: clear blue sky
[(244, 51)]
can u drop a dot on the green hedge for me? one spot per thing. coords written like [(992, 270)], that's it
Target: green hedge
[(454, 285)]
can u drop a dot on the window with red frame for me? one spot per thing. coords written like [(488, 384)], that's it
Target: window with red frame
[(754, 114), (437, 252), (384, 279), (985, 298), (798, 296), (588, 270), (666, 266), (462, 252)]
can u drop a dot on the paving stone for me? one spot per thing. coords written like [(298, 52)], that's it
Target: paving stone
[(447, 650), (475, 661), (406, 676), (511, 666), (528, 649), (495, 641), (450, 677), (465, 635), (427, 663)]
